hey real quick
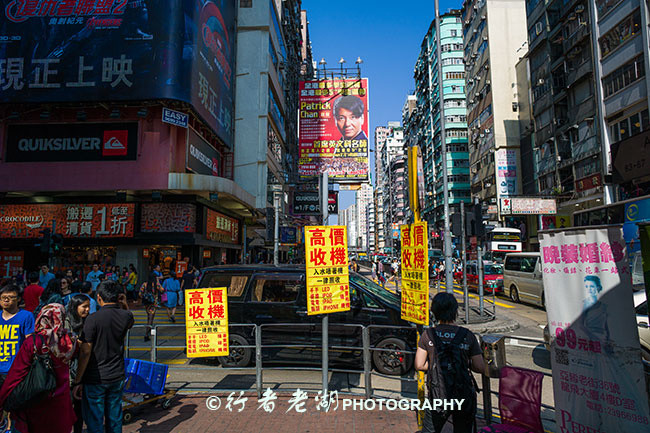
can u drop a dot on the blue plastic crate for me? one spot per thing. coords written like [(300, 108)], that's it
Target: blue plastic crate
[(144, 377)]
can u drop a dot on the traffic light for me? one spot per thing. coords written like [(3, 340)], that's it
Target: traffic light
[(56, 243), (479, 228), (45, 241)]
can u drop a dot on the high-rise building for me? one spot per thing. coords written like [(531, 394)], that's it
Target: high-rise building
[(426, 121), (394, 185), (351, 221), (493, 31), (382, 134), (363, 202)]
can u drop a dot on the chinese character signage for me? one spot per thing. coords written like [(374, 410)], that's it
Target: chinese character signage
[(221, 228), (328, 284), (598, 379), (506, 172), (11, 263), (334, 128), (528, 206), (206, 322), (167, 218), (415, 273), (119, 50), (72, 142), (114, 220)]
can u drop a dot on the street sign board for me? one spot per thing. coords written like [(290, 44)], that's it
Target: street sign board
[(175, 118), (206, 324), (415, 273)]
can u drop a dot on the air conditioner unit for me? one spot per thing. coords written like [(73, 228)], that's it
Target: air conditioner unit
[(475, 7), (485, 38), (475, 31), (487, 82), (467, 22), (540, 82), (483, 17), (482, 135), (471, 101), (579, 9), (478, 78), (539, 27), (487, 131), (487, 67)]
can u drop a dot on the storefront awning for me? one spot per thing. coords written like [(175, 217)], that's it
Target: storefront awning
[(231, 196)]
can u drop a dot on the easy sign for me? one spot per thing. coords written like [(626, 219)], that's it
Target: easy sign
[(175, 117)]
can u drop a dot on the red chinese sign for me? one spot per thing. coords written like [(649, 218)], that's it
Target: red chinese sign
[(206, 322), (221, 228), (415, 274), (11, 262), (113, 220), (328, 284)]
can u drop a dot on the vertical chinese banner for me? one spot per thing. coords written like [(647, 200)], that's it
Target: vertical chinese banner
[(415, 273), (206, 322), (598, 379), (326, 256)]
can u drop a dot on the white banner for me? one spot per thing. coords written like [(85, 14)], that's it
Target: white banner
[(598, 378)]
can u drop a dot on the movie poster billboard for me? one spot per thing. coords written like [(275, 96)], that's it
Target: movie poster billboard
[(116, 50), (333, 133), (598, 379)]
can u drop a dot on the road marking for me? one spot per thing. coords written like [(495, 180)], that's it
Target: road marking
[(473, 296), (515, 342)]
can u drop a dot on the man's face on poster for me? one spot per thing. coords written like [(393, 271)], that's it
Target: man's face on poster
[(348, 123)]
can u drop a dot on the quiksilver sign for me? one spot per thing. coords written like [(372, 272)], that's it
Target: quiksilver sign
[(72, 142)]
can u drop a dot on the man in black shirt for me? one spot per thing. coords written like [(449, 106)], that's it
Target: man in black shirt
[(445, 309), (100, 374)]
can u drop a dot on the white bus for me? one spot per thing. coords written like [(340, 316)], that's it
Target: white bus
[(502, 240)]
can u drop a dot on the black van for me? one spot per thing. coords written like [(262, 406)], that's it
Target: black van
[(268, 295)]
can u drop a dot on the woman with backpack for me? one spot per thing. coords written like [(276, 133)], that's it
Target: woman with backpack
[(53, 413), (447, 352)]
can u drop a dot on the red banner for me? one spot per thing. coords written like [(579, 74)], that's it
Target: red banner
[(334, 128), (221, 228), (113, 220)]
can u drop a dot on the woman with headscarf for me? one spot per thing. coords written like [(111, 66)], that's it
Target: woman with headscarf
[(54, 414)]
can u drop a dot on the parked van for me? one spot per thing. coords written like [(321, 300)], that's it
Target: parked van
[(522, 278)]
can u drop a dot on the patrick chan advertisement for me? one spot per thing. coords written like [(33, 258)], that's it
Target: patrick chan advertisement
[(598, 379), (115, 50), (334, 129)]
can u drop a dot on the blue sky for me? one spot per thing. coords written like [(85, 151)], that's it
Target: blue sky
[(386, 35)]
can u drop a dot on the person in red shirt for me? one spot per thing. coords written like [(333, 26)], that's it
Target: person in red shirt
[(33, 292)]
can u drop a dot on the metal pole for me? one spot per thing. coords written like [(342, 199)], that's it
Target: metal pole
[(464, 264), (325, 323), (367, 377), (449, 278), (243, 254), (258, 360), (487, 399), (479, 265), (276, 228)]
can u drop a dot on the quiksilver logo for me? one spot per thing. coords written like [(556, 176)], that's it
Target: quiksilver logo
[(113, 144)]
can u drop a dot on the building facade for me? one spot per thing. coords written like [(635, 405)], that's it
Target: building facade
[(363, 201), (425, 124), (493, 32)]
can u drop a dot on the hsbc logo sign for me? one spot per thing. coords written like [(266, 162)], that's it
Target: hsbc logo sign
[(72, 142), (115, 143)]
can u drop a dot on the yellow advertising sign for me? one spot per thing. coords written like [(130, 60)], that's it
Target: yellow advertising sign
[(206, 322), (415, 273), (326, 256)]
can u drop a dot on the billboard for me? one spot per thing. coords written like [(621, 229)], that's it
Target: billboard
[(308, 203), (114, 220), (167, 218), (76, 142), (506, 171), (528, 206), (333, 133), (119, 50), (221, 228), (201, 157), (598, 379)]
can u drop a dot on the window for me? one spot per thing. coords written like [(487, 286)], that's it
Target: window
[(282, 289), (621, 33), (245, 3), (455, 75), (630, 126), (605, 6), (368, 301), (624, 76), (454, 33), (513, 263), (235, 283)]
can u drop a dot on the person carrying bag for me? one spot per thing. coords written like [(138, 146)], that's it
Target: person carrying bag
[(37, 389)]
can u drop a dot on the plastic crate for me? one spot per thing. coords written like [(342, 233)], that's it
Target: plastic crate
[(145, 377)]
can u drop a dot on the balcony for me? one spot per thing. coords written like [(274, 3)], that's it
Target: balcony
[(546, 165), (585, 148), (583, 110), (542, 103), (580, 72), (577, 36), (544, 134)]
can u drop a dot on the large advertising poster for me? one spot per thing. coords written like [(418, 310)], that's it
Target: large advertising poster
[(333, 132), (110, 220), (114, 50), (415, 274), (506, 172), (206, 327), (598, 379)]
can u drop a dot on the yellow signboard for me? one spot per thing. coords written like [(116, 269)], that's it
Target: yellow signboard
[(206, 322), (415, 273), (326, 256)]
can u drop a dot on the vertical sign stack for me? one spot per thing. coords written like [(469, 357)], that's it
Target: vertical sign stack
[(415, 273)]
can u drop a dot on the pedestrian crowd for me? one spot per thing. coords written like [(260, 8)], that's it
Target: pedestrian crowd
[(62, 344)]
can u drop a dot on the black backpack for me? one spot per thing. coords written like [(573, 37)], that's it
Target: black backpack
[(449, 376)]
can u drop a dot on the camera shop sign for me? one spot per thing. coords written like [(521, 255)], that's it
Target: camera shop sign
[(308, 203), (69, 142)]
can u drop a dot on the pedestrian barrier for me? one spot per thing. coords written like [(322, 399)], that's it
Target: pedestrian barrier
[(256, 331)]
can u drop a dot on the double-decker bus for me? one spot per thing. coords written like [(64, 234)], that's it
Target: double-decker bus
[(501, 241)]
